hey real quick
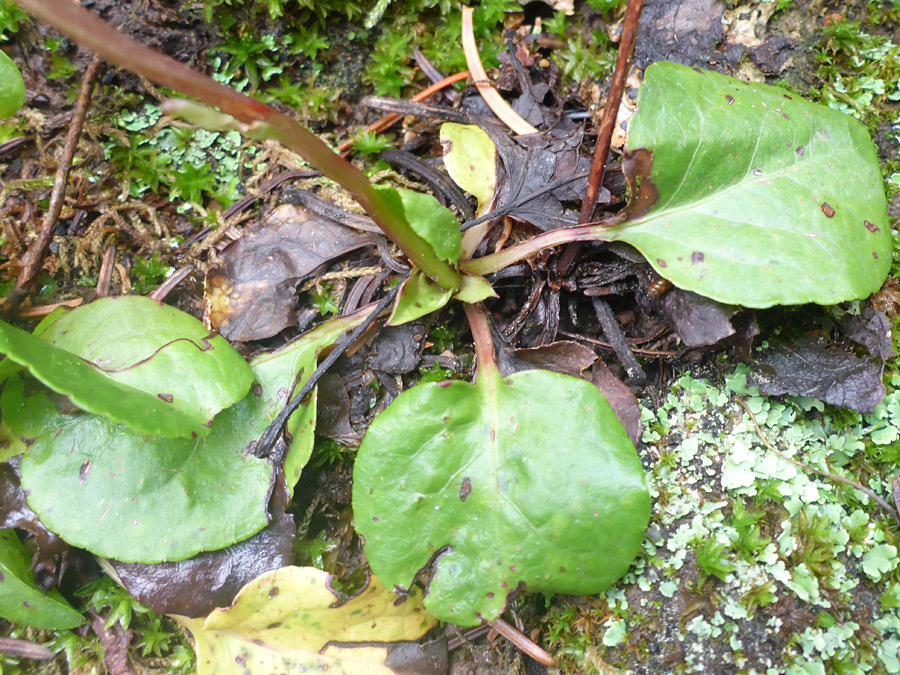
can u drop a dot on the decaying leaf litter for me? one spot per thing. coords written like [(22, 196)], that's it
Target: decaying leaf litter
[(543, 309)]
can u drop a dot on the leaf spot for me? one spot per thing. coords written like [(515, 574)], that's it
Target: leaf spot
[(489, 594), (83, 471), (872, 227), (273, 626), (168, 398), (875, 255), (800, 150), (697, 257), (275, 590), (827, 209), (789, 144), (788, 97), (698, 70), (444, 384), (512, 568), (661, 262), (730, 98), (757, 172), (466, 489)]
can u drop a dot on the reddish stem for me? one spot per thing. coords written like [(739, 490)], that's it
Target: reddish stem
[(485, 359), (611, 110), (522, 642), (607, 125), (92, 32)]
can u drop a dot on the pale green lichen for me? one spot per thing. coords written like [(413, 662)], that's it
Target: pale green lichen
[(750, 560)]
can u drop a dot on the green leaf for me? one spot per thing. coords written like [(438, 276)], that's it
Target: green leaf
[(474, 289), (284, 620), (137, 362), (528, 480), (436, 224), (764, 198), (12, 87), (470, 158), (21, 601), (123, 495), (418, 296)]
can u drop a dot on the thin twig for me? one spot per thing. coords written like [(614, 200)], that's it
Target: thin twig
[(270, 435), (106, 270), (264, 189), (652, 353), (389, 120), (607, 125), (169, 284), (31, 262), (825, 474), (467, 635), (613, 332), (521, 201), (437, 181), (400, 106), (25, 649), (495, 102), (522, 642)]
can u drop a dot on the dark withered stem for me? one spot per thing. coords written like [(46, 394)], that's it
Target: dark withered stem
[(613, 332), (31, 262), (270, 435)]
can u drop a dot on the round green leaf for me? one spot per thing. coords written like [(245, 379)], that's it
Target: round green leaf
[(528, 480), (12, 87), (157, 349), (764, 198), (470, 157), (436, 224), (21, 601), (137, 362), (134, 498)]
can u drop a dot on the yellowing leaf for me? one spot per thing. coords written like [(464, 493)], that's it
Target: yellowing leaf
[(471, 160), (284, 620)]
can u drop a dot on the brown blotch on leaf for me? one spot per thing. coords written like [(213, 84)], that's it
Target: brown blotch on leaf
[(875, 255), (697, 257), (637, 166), (465, 489), (800, 150), (275, 591), (730, 98), (489, 594), (661, 262), (168, 398), (872, 227), (827, 209)]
